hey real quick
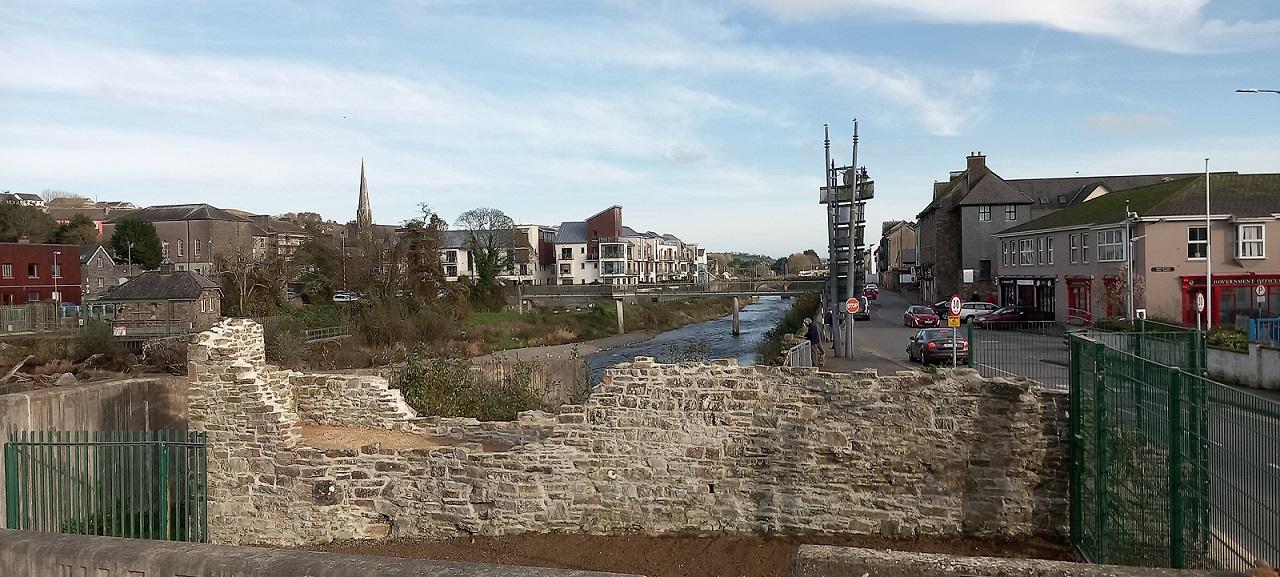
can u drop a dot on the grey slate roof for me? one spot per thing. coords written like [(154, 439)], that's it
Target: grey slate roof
[(87, 252), (164, 286), (93, 213), (1045, 191), (571, 233), (460, 238), (179, 212)]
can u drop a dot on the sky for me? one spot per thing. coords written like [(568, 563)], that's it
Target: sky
[(701, 119)]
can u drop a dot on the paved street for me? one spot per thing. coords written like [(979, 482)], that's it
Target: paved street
[(880, 343)]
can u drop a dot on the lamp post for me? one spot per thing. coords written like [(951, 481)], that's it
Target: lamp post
[(1256, 90), (55, 273)]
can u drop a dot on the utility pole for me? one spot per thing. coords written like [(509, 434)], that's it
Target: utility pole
[(833, 272), (851, 276), (1208, 256)]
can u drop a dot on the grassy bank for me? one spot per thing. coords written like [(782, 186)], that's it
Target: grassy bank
[(792, 322)]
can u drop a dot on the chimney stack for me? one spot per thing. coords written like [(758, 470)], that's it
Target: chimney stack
[(976, 164)]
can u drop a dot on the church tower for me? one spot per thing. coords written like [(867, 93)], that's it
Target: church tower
[(364, 216)]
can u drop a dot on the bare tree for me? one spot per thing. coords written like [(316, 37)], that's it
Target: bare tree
[(491, 240)]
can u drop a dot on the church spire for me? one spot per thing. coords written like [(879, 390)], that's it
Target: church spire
[(364, 216)]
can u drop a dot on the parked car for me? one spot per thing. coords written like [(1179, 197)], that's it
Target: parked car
[(941, 308), (345, 297), (920, 316), (1006, 317), (864, 311), (870, 291), (973, 309), (936, 345)]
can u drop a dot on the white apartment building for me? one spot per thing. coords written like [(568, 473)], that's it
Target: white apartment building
[(530, 262)]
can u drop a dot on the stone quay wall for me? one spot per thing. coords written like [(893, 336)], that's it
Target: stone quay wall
[(655, 449)]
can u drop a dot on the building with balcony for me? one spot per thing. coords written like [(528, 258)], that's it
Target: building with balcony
[(1072, 263), (602, 250)]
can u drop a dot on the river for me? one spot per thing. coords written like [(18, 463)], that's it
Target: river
[(715, 335)]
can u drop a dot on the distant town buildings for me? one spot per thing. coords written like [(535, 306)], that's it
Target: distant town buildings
[(32, 273)]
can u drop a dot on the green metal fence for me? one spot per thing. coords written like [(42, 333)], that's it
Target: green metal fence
[(1036, 350), (1169, 468), (149, 485)]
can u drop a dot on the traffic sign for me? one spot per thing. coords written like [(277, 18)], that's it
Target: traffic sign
[(953, 322), (1260, 290), (955, 305), (1199, 302), (852, 306)]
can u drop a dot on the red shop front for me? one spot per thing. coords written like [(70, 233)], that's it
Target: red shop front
[(1233, 296)]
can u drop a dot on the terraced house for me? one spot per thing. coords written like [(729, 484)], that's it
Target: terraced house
[(1072, 264)]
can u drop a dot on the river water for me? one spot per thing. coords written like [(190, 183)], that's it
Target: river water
[(711, 339)]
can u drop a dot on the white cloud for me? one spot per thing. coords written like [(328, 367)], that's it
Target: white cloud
[(1168, 25)]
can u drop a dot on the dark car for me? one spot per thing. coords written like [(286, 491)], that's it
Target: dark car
[(864, 311), (920, 316), (936, 345), (941, 308), (1008, 317)]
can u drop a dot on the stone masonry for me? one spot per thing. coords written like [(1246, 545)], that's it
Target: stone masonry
[(654, 449)]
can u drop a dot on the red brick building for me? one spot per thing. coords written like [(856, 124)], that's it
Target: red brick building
[(39, 272)]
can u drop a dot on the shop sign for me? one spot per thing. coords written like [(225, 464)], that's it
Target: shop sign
[(1161, 269)]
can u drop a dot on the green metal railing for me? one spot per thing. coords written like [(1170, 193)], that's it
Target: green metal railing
[(137, 484), (1169, 468), (1035, 350)]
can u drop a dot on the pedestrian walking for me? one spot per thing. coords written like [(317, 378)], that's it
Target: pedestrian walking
[(827, 319), (815, 342)]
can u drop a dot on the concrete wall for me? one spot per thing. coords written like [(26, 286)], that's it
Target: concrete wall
[(826, 561), (26, 554), (124, 405), (655, 449), (1259, 368)]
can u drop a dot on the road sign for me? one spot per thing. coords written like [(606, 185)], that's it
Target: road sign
[(1199, 302), (955, 305), (118, 331), (852, 306), (1260, 290), (953, 322)]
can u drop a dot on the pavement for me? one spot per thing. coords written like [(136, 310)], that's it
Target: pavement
[(879, 343)]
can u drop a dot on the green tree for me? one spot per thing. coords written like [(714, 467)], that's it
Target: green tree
[(146, 248), (79, 230), (319, 265), (490, 236), (18, 221), (419, 253), (782, 266)]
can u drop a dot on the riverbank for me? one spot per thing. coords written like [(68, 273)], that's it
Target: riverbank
[(567, 351)]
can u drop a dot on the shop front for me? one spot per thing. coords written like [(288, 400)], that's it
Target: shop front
[(1036, 293), (1234, 297)]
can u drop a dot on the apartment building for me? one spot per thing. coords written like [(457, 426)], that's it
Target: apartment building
[(530, 250), (1072, 264), (957, 248), (39, 272), (602, 250)]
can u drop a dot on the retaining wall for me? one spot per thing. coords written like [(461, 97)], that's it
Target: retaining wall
[(147, 404), (655, 449), (1259, 368)]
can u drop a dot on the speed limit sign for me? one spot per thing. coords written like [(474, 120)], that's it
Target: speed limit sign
[(1199, 302)]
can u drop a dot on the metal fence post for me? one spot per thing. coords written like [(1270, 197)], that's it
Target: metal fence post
[(164, 489), (1100, 440), (10, 486), (1077, 444), (1177, 545), (972, 343)]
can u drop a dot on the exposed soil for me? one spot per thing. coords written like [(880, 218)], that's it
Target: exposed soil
[(736, 556), (325, 437)]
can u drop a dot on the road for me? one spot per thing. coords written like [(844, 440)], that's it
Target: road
[(880, 343)]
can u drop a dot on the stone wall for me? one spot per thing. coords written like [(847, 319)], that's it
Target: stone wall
[(655, 449), (349, 401)]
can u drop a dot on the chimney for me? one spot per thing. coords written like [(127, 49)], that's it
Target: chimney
[(976, 164)]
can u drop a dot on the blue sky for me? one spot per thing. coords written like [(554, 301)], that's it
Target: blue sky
[(700, 119)]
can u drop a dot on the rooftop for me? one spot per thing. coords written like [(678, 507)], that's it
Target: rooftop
[(156, 285), (179, 212)]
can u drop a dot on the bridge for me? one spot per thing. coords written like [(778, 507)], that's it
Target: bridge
[(763, 287)]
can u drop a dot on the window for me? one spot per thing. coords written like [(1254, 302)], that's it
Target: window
[(984, 213), (1073, 249), (33, 270), (102, 282), (181, 248), (583, 266), (451, 270), (164, 245), (1010, 212), (1084, 247), (1004, 253), (1197, 242), (1026, 252), (56, 271), (1249, 242), (1062, 199), (1110, 245), (204, 303), (566, 253), (195, 248), (1048, 249), (566, 268), (33, 296), (984, 270), (1039, 250), (100, 262), (6, 270), (451, 256)]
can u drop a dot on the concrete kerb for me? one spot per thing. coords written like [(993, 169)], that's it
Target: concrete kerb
[(829, 561), (29, 554)]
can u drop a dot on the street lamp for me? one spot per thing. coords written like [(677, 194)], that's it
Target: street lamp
[(56, 273), (1256, 90)]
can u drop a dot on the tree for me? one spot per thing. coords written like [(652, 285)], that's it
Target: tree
[(801, 261), (18, 221), (69, 201), (146, 248), (782, 266), (252, 283), (48, 194), (812, 253), (418, 252), (79, 230), (318, 264), (490, 235)]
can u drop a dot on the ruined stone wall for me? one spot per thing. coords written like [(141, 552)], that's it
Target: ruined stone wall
[(657, 449), (349, 401)]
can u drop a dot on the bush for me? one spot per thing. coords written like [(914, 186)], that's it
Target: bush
[(94, 339), (449, 388), (1228, 338), (770, 349)]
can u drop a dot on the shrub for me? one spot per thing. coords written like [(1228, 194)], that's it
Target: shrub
[(449, 388), (770, 348), (95, 338), (1229, 338)]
